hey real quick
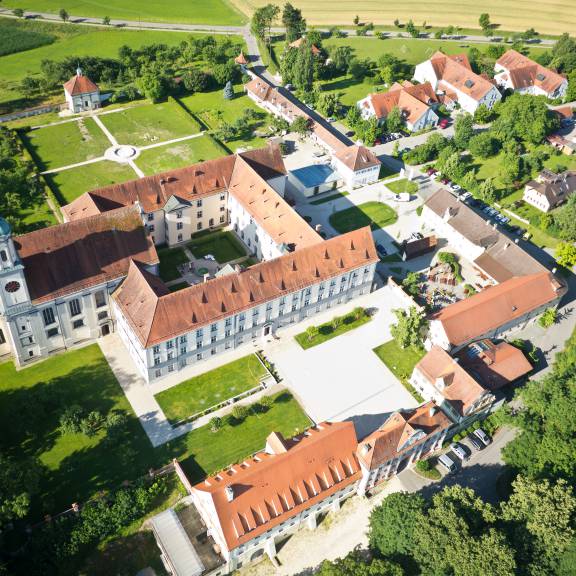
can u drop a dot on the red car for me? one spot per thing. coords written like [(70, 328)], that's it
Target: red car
[(431, 171), (444, 123), (445, 181)]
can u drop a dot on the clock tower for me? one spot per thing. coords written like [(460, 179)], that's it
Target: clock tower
[(13, 289)]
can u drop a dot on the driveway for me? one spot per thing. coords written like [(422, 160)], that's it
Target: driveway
[(343, 379)]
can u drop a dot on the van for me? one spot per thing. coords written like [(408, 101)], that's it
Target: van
[(447, 463), (459, 450), (482, 436)]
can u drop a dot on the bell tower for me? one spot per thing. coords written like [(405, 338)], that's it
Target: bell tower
[(13, 288)]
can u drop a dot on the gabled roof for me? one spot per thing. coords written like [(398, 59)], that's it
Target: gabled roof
[(158, 317), (290, 476), (80, 84), (401, 431), (300, 41), (73, 256), (451, 380), (357, 158), (555, 190), (266, 161), (496, 306)]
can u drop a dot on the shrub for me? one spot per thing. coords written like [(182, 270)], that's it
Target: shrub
[(70, 420), (549, 318), (240, 412), (266, 403), (91, 423), (215, 424)]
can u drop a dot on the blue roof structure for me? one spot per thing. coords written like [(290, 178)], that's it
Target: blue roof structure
[(316, 175)]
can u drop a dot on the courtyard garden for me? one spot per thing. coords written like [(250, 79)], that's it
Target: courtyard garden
[(373, 214), (222, 244), (315, 335), (401, 362), (210, 388), (403, 185), (170, 259)]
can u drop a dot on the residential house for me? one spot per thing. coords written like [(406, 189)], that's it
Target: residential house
[(357, 165), (82, 95), (549, 190), (416, 103), (561, 144), (454, 82), (405, 437), (517, 72), (252, 506), (297, 43)]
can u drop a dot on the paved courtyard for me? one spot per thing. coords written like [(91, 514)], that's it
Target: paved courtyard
[(343, 379)]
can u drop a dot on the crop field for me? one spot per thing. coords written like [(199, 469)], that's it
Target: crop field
[(16, 38), (194, 11), (546, 16)]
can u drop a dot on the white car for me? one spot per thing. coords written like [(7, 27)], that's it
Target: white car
[(466, 195), (455, 186), (482, 436), (447, 462), (459, 450)]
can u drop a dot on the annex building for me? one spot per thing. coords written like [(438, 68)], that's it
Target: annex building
[(97, 272)]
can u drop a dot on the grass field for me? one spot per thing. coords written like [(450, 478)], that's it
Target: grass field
[(374, 214), (63, 144), (179, 154), (69, 184), (170, 259), (149, 124), (546, 16), (223, 245), (211, 388), (193, 11), (403, 185), (16, 38)]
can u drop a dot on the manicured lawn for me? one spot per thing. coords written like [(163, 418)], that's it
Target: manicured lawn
[(373, 214), (179, 154), (149, 124), (205, 452), (69, 184), (404, 185), (400, 362), (327, 331), (211, 388), (37, 216), (56, 146), (170, 259), (330, 198), (192, 11), (179, 286), (386, 172), (73, 466), (223, 245)]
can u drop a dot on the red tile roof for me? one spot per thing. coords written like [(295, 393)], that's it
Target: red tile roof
[(496, 306), (276, 484), (298, 43), (357, 158), (70, 257), (401, 431), (158, 317), (80, 84)]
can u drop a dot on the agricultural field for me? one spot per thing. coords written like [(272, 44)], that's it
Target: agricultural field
[(17, 38), (546, 16), (193, 11), (179, 154), (63, 144)]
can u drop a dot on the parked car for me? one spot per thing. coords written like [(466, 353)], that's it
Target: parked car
[(431, 171), (445, 181), (444, 123), (505, 220), (466, 195), (381, 250), (447, 463), (455, 186), (482, 436), (475, 442), (350, 133), (459, 450), (402, 197), (416, 236), (289, 87), (486, 209), (331, 119)]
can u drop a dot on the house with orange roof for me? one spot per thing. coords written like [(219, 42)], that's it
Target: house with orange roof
[(298, 43), (404, 438), (357, 165), (517, 72), (440, 378), (454, 82), (416, 103), (250, 507), (82, 95)]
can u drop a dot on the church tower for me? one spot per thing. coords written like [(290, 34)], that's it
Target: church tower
[(13, 288)]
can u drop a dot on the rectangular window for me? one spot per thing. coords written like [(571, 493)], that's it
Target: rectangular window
[(213, 339), (151, 227), (100, 298), (150, 217), (241, 328), (199, 356), (222, 208), (170, 367), (199, 214), (179, 214), (102, 315), (183, 350), (227, 333), (199, 226), (228, 322), (199, 203), (75, 308), (211, 222), (222, 219), (169, 345), (198, 344), (156, 360), (179, 225), (214, 328), (158, 373), (170, 355), (213, 352), (183, 339), (77, 324), (179, 238), (156, 349), (48, 314), (222, 196)]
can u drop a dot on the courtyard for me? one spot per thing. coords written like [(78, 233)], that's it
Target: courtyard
[(342, 379), (373, 214)]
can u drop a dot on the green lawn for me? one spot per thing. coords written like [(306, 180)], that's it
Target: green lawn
[(336, 196), (179, 154), (403, 185), (374, 214), (327, 331), (400, 362), (56, 146), (37, 216), (69, 184), (223, 245), (211, 388), (149, 123), (170, 259), (179, 286), (192, 11)]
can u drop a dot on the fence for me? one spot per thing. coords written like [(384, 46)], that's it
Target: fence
[(31, 112)]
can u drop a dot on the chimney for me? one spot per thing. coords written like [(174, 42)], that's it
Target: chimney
[(206, 277), (433, 410), (229, 493)]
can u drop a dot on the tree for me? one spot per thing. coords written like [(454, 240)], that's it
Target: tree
[(240, 412), (566, 254), (301, 126), (571, 92), (228, 91), (106, 20), (408, 330), (64, 16), (303, 72), (152, 86), (565, 219), (18, 482), (392, 524), (196, 80), (18, 12), (463, 130), (356, 20), (510, 168), (484, 21), (487, 191), (357, 69), (355, 565), (483, 145), (262, 21), (394, 120), (215, 424), (453, 166), (548, 318), (69, 422), (412, 30), (293, 22), (412, 283), (329, 104), (91, 423), (341, 57), (312, 332)]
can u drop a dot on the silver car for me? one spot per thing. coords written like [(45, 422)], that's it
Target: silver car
[(482, 436), (459, 450)]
